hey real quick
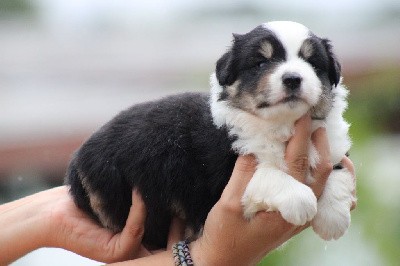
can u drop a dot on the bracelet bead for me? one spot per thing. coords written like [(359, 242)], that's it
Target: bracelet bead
[(181, 254)]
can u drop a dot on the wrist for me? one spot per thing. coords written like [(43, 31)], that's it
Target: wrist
[(200, 256), (24, 228), (36, 230), (207, 255)]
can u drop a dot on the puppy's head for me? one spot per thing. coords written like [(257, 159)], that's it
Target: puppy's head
[(279, 67)]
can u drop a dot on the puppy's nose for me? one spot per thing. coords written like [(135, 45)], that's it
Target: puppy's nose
[(292, 80)]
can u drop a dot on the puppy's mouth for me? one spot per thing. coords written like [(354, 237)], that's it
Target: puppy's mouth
[(290, 99)]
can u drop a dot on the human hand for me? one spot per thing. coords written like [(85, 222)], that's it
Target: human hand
[(51, 219), (228, 238), (76, 231), (70, 228), (348, 164)]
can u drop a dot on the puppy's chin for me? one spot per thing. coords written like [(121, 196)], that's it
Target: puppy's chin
[(284, 110)]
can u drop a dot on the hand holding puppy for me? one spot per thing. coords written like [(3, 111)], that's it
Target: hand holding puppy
[(229, 238)]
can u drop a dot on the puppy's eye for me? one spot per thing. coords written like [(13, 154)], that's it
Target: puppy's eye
[(262, 64)]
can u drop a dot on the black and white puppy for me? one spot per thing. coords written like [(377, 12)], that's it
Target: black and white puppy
[(179, 151)]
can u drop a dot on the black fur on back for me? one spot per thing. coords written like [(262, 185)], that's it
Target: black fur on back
[(170, 150)]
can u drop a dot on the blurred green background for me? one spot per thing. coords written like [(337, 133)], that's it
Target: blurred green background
[(66, 67)]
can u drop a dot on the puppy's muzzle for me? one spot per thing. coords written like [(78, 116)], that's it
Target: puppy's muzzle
[(292, 81)]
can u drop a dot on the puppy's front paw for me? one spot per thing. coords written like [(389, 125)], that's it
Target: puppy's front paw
[(298, 206), (333, 217), (331, 222), (251, 206), (296, 202)]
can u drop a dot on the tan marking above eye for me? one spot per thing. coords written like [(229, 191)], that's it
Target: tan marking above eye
[(307, 50), (232, 90), (266, 49)]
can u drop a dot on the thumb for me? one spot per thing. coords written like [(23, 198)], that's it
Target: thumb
[(244, 169), (132, 234), (176, 232)]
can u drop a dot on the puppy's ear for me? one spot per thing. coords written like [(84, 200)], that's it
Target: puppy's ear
[(334, 65), (236, 36), (224, 70)]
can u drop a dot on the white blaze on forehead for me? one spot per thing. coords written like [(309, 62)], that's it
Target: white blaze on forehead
[(291, 34)]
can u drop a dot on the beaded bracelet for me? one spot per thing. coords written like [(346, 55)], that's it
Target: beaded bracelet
[(181, 254)]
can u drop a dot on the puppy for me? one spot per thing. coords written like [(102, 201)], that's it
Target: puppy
[(179, 151)]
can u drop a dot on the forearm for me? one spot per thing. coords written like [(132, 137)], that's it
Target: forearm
[(22, 229), (164, 258)]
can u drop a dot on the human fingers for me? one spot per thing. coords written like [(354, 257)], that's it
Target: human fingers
[(131, 236), (244, 169), (143, 252), (324, 167), (348, 164), (296, 155), (176, 232)]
